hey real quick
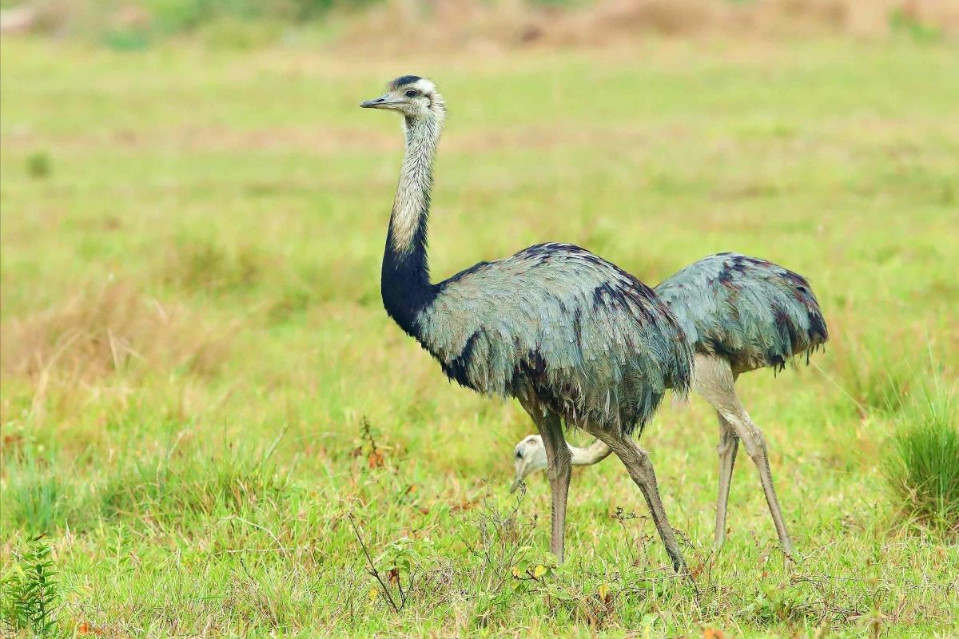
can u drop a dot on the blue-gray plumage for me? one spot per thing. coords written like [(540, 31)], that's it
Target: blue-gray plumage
[(748, 311), (574, 338), (591, 341), (740, 313)]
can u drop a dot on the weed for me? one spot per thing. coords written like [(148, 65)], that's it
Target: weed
[(400, 558), (367, 447), (922, 463), (31, 592)]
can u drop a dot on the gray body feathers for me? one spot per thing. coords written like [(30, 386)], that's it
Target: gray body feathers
[(562, 328), (748, 311)]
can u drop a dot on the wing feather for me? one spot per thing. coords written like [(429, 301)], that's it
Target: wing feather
[(591, 341)]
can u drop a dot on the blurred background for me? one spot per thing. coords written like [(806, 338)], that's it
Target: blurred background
[(199, 383), (481, 25)]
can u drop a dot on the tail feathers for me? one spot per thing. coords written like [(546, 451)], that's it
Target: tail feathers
[(749, 311)]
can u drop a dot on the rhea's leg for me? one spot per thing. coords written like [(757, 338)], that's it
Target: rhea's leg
[(640, 468), (559, 469), (714, 380), (755, 445), (728, 445)]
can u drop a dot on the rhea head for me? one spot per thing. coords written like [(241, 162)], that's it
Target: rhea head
[(528, 456), (413, 96)]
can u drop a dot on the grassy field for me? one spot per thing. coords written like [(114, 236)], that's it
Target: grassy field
[(205, 407)]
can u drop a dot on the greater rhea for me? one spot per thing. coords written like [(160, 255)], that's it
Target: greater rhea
[(574, 338), (741, 314)]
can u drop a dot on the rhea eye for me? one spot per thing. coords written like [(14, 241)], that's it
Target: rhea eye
[(519, 454), (411, 93)]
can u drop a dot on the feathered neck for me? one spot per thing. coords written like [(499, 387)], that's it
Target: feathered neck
[(405, 278), (594, 453)]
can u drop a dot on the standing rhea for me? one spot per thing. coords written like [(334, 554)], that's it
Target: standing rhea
[(740, 313), (571, 336)]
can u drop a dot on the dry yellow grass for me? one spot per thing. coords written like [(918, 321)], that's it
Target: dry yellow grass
[(106, 330)]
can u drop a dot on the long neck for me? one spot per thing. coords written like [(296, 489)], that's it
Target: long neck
[(405, 278), (594, 453)]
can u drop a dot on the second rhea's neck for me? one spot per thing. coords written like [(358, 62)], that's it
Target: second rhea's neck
[(595, 452), (405, 280)]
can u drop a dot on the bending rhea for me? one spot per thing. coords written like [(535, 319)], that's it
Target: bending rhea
[(742, 314), (571, 336)]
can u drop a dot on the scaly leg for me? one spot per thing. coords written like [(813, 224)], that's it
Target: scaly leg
[(714, 380), (728, 445), (640, 468), (756, 448), (559, 469)]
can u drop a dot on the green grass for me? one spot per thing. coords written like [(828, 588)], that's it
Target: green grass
[(923, 466), (30, 594), (201, 390)]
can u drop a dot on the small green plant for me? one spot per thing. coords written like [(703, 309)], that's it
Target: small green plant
[(30, 593), (399, 561), (39, 165), (922, 466)]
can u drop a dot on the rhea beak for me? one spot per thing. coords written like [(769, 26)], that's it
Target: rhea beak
[(385, 101), (520, 475)]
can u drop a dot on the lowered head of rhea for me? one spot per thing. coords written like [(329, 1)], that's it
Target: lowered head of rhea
[(415, 97), (528, 456)]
